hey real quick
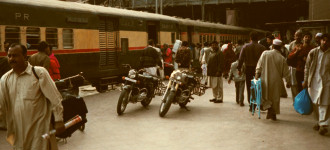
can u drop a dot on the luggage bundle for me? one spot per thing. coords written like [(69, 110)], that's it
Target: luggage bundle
[(72, 106)]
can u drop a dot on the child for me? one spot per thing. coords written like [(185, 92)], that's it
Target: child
[(239, 82)]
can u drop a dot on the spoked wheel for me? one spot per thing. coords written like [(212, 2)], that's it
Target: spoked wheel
[(122, 102), (166, 104), (197, 89)]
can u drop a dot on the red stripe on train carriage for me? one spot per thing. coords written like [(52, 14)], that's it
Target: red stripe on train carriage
[(70, 51)]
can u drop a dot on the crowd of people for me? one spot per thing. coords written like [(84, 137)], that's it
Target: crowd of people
[(304, 64), (29, 96)]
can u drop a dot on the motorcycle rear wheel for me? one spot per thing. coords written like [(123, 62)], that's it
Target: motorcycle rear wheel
[(165, 106), (146, 102), (122, 102)]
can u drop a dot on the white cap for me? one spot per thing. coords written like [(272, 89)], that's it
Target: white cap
[(318, 35), (277, 42)]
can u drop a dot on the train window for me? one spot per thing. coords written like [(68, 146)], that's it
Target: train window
[(51, 37), (215, 38), (68, 39), (12, 34), (124, 46), (173, 37), (32, 37), (200, 38), (207, 38)]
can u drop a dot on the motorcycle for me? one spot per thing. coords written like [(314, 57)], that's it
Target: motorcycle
[(72, 103), (137, 88), (182, 84)]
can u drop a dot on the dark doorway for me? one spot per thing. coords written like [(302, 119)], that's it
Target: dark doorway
[(152, 31), (190, 30)]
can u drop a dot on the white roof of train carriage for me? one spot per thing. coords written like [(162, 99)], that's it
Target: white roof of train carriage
[(92, 8), (121, 12)]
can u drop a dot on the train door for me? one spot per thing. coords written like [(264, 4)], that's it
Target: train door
[(189, 32), (108, 44), (152, 29)]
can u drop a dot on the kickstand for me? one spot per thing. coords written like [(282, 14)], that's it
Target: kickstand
[(186, 108)]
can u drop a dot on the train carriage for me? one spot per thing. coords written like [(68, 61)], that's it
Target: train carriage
[(96, 40)]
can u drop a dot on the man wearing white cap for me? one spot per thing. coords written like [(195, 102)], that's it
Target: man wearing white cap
[(318, 39), (272, 67)]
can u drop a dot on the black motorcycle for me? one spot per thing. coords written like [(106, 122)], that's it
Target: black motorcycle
[(72, 103), (137, 88), (182, 84)]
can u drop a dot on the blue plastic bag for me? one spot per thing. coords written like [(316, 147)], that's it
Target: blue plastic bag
[(302, 103)]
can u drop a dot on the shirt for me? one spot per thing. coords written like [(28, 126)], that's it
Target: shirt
[(315, 89), (28, 112), (234, 73), (250, 54)]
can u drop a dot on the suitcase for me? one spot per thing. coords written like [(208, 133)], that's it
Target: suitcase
[(72, 106), (255, 97)]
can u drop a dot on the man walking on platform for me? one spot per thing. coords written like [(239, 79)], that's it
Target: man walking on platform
[(272, 67), (316, 79), (215, 63), (250, 55), (298, 41), (297, 58), (41, 58), (28, 103)]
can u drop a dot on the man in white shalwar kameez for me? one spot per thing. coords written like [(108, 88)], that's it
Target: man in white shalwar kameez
[(272, 67), (23, 98), (317, 80)]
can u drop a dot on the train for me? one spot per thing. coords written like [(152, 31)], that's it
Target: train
[(96, 40)]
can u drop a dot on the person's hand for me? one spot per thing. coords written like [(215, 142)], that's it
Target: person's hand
[(288, 85), (59, 126), (218, 74), (229, 81), (304, 85)]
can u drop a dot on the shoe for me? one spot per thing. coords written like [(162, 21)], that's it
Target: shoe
[(250, 109), (241, 104), (212, 100), (323, 130), (273, 117), (218, 101), (316, 127)]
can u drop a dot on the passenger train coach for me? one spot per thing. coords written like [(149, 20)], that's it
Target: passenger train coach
[(96, 40)]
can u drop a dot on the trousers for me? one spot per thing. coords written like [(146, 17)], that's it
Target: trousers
[(239, 86)]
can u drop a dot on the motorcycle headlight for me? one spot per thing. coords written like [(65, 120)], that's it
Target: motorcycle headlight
[(132, 74), (178, 78)]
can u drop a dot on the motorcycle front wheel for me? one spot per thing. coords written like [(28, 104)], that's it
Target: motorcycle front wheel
[(165, 105), (122, 102)]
